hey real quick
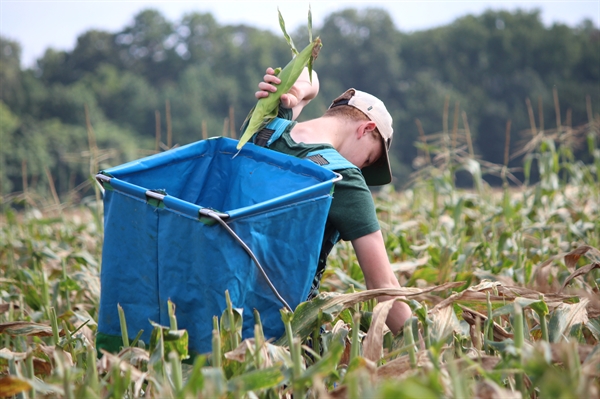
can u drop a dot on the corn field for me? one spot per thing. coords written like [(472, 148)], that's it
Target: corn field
[(503, 284)]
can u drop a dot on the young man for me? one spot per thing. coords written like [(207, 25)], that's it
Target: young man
[(359, 127)]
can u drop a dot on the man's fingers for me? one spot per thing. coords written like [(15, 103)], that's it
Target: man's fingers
[(265, 86), (271, 79), (285, 100), (289, 100)]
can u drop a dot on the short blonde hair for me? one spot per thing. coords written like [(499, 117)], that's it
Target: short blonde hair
[(347, 111)]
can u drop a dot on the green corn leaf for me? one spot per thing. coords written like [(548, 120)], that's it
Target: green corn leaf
[(266, 108), (255, 380), (167, 340), (327, 364), (310, 67), (309, 24), (285, 34)]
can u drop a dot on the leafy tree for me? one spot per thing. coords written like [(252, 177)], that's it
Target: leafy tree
[(499, 59), (94, 48), (200, 100), (9, 125), (10, 73), (361, 51), (125, 98), (147, 47), (52, 67)]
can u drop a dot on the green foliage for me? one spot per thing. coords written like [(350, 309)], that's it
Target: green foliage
[(9, 125), (10, 73)]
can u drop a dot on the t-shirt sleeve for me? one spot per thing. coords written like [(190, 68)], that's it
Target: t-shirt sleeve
[(352, 209), (285, 113)]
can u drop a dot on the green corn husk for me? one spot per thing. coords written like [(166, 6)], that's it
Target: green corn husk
[(266, 108)]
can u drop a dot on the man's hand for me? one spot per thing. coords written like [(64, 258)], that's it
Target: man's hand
[(299, 95), (269, 85)]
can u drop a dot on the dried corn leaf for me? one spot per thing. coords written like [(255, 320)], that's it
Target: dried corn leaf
[(474, 318), (373, 342), (51, 352), (564, 317), (579, 272), (409, 266), (401, 365), (488, 389), (501, 293), (48, 390), (239, 353), (561, 350), (11, 386), (540, 278), (331, 304), (487, 363), (27, 328), (573, 257), (593, 307), (137, 357), (591, 360), (7, 354), (4, 307), (269, 353), (444, 322), (40, 366), (109, 361)]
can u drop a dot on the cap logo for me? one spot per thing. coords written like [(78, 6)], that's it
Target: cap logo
[(370, 108)]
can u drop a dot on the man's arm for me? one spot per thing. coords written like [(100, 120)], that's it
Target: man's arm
[(373, 260), (300, 94)]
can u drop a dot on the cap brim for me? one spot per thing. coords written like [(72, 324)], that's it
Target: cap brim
[(380, 173)]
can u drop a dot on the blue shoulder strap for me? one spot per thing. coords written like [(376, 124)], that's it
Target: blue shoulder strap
[(330, 159), (272, 131)]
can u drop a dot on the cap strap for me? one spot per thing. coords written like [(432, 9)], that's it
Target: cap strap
[(340, 102)]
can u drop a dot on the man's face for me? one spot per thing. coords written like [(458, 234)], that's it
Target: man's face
[(366, 150)]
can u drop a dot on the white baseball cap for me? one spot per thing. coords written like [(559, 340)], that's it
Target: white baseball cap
[(380, 172)]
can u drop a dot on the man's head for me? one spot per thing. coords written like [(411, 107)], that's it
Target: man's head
[(358, 104)]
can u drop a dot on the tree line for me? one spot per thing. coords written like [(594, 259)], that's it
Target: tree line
[(157, 83)]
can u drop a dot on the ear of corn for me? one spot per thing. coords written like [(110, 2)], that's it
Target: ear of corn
[(266, 108)]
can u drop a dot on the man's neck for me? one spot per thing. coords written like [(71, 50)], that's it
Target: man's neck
[(320, 131)]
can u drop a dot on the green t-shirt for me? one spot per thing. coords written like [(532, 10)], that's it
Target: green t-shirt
[(352, 212)]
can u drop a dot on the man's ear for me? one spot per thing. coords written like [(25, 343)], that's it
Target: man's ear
[(367, 127)]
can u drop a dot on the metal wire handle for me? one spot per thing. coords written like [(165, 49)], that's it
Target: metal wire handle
[(212, 214)]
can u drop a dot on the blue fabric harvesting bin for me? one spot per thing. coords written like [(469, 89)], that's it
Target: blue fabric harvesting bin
[(160, 244)]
